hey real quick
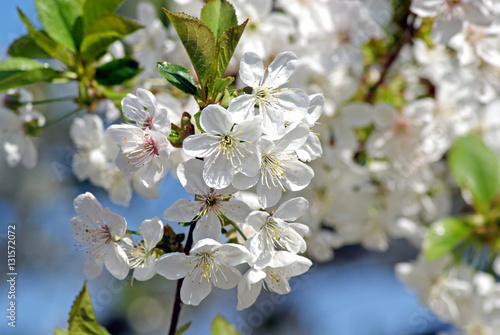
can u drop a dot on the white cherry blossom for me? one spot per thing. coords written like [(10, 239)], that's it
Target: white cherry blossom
[(141, 150), (209, 264), (140, 255), (98, 230), (273, 277), (209, 206), (280, 169), (273, 101), (277, 231), (144, 110), (226, 147)]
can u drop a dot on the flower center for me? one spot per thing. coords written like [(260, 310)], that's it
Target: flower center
[(148, 123)]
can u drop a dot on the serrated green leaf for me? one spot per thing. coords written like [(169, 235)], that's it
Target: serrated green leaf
[(199, 42), (225, 48), (181, 330), (106, 30), (443, 236), (178, 76), (60, 20), (220, 326), (219, 16), (92, 9), (17, 72), (82, 318), (475, 167), (26, 47), (50, 46), (117, 71), (60, 331)]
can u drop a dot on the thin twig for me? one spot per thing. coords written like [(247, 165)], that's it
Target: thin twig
[(178, 302), (409, 32), (53, 121), (46, 101)]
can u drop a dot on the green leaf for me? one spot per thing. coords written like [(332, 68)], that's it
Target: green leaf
[(219, 16), (475, 167), (82, 318), (226, 46), (50, 46), (60, 20), (182, 330), (228, 96), (178, 76), (199, 42), (115, 96), (117, 71), (60, 331), (443, 236), (114, 22), (25, 46), (17, 72), (106, 30), (92, 9), (220, 326)]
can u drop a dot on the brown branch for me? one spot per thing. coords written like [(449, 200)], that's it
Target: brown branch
[(178, 302), (408, 34)]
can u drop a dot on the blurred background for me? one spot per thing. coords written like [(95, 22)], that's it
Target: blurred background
[(355, 294)]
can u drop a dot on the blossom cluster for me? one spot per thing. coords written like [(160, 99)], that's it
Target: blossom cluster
[(260, 142)]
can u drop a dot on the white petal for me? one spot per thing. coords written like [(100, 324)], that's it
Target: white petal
[(145, 270), (384, 115), (152, 232), (281, 69), (200, 145), (218, 171), (190, 176), (251, 69), (29, 156), (235, 210), (183, 210), (215, 119), (227, 277), (208, 226), (233, 254), (94, 260), (116, 261), (194, 290), (292, 209), (175, 265), (242, 108), (257, 219), (249, 288), (298, 175)]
